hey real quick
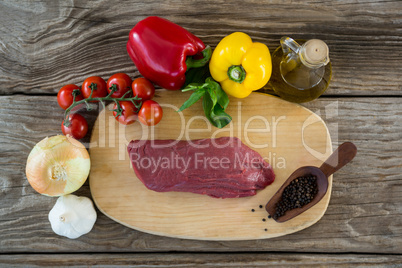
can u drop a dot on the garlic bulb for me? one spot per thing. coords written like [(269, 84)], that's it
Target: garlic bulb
[(58, 165), (72, 216)]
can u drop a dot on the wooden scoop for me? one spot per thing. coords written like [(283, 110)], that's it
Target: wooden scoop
[(343, 155)]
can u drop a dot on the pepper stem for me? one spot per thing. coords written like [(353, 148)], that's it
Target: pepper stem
[(237, 73), (206, 56)]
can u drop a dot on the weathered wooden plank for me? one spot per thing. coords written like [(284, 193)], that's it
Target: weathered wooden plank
[(46, 44), (364, 214), (200, 260)]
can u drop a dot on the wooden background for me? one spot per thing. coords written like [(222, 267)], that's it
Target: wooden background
[(47, 44)]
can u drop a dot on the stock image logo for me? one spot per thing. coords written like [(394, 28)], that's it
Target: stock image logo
[(268, 135)]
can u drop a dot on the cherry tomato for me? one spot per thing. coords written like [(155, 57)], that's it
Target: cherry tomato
[(143, 88), (129, 114), (65, 96), (122, 82), (150, 113), (78, 127), (99, 90)]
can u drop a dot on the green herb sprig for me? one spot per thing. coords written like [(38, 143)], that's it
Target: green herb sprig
[(214, 101)]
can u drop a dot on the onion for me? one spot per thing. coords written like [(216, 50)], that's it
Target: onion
[(58, 165)]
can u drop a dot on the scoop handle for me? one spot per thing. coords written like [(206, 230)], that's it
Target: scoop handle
[(343, 155)]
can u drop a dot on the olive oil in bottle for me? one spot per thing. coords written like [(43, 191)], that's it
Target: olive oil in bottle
[(301, 71)]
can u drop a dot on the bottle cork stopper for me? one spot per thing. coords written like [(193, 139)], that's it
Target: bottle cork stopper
[(316, 51)]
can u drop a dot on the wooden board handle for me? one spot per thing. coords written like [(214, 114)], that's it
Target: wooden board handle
[(343, 155)]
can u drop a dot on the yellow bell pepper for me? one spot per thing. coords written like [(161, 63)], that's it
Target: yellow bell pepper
[(240, 65)]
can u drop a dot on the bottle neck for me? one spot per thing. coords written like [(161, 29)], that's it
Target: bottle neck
[(314, 54)]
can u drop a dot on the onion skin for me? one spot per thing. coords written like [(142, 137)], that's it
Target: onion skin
[(58, 165)]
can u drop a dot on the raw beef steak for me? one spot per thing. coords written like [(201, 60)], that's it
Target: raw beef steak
[(222, 167)]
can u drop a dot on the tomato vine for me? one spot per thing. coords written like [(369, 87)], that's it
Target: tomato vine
[(135, 100)]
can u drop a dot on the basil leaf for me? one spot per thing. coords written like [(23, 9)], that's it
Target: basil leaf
[(197, 75), (221, 116), (223, 99), (221, 96), (212, 95), (207, 105), (193, 99), (214, 101), (215, 113)]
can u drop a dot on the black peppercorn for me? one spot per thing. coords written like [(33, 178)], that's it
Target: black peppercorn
[(298, 193)]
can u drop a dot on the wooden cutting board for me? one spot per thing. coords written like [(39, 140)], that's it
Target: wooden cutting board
[(287, 135)]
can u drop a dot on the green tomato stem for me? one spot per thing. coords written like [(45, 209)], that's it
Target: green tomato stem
[(135, 100)]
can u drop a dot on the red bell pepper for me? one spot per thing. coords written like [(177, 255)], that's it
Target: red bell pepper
[(163, 51)]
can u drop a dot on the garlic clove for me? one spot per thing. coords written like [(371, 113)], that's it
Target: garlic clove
[(72, 216), (86, 212)]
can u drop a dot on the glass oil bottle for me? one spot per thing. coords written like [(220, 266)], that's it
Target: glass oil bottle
[(301, 71)]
